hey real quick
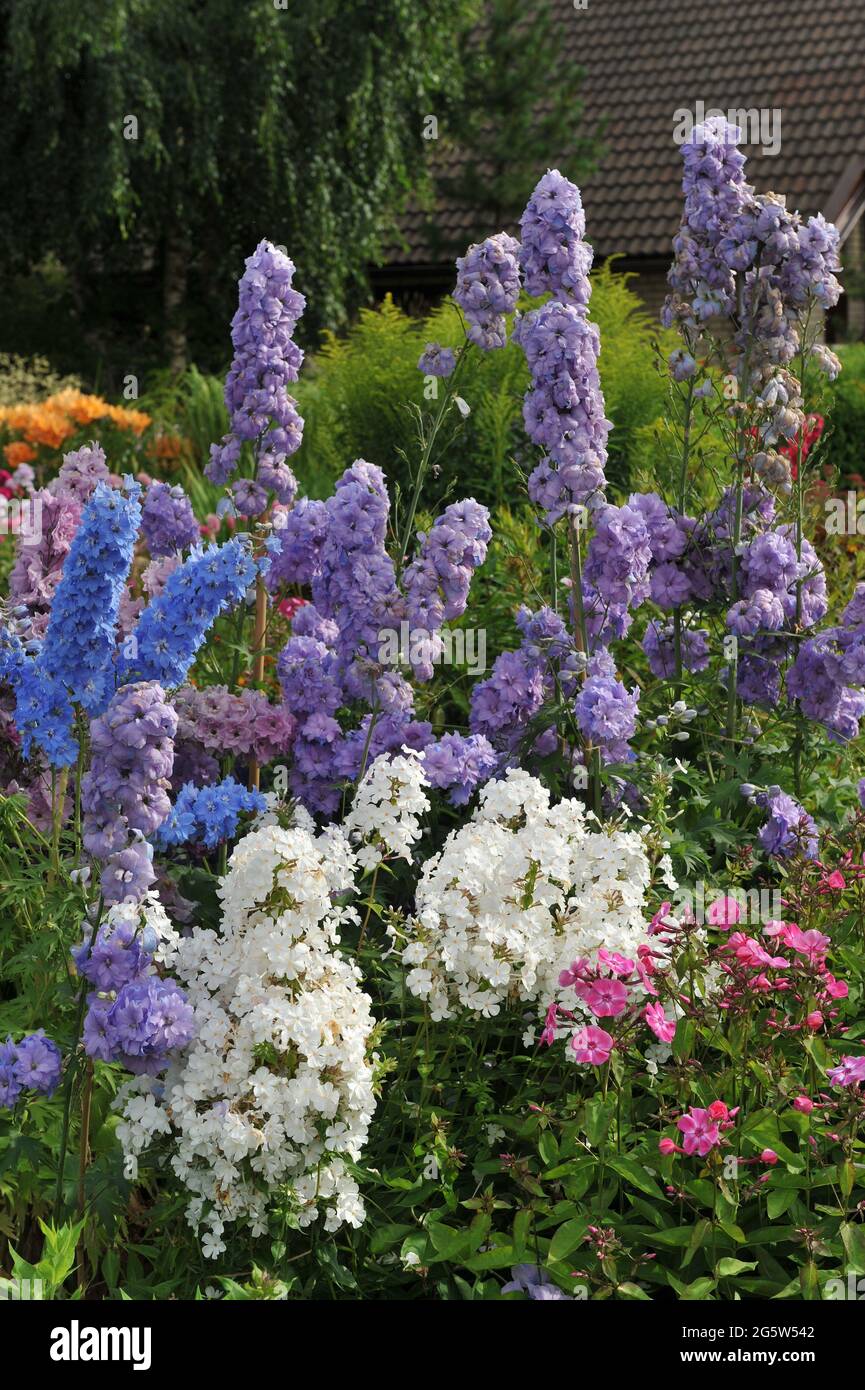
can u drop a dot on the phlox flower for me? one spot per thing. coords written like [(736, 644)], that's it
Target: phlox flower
[(663, 1027), (701, 1132), (724, 912), (592, 1046), (606, 998)]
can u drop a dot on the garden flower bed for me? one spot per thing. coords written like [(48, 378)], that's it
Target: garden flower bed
[(397, 909)]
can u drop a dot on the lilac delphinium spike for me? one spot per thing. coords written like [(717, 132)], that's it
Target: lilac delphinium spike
[(564, 410), (133, 1016), (80, 472), (33, 1064), (266, 362), (124, 796), (606, 711), (701, 281), (167, 520), (789, 829), (487, 288), (438, 579), (553, 255), (39, 559)]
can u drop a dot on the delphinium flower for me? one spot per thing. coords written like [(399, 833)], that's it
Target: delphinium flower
[(796, 264), (275, 1095), (40, 557), (167, 520), (564, 409), (207, 816), (336, 659), (784, 265), (669, 531), (515, 895), (266, 361), (167, 636), (81, 633), (124, 795), (80, 472), (149, 1020), (437, 581), (356, 585), (134, 1016), (239, 725), (33, 1064), (701, 280), (789, 829), (308, 672), (436, 360), (659, 646), (520, 683), (553, 256), (618, 556), (459, 764), (504, 704), (487, 288), (294, 547), (606, 711), (535, 1283)]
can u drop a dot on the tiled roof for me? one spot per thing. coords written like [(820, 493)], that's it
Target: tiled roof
[(644, 59)]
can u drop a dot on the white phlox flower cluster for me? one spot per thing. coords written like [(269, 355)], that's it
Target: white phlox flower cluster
[(390, 800), (275, 1094), (516, 895)]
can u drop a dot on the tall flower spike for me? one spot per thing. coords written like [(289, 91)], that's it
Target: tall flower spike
[(164, 641), (266, 361), (82, 630)]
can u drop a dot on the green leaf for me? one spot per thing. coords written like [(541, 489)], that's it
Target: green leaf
[(567, 1238), (447, 1242), (853, 1237), (383, 1237), (501, 1257), (728, 1267), (630, 1290), (522, 1223), (780, 1201), (634, 1173), (598, 1118)]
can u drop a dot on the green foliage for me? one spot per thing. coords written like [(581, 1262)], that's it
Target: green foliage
[(190, 131), (30, 379), (521, 113), (356, 393), (845, 410)]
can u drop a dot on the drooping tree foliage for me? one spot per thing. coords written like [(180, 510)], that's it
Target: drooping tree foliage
[(147, 145)]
